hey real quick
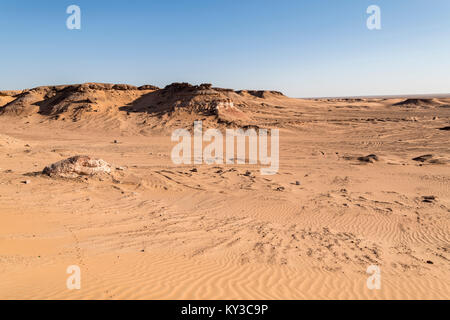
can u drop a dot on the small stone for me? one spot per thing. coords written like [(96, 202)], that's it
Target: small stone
[(194, 170), (297, 183), (115, 141), (423, 158), (428, 199), (26, 182), (429, 262), (371, 158)]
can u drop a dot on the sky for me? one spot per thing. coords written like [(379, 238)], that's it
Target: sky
[(303, 48)]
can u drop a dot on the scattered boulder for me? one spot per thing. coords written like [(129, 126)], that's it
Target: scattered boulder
[(423, 158), (371, 158), (428, 199), (77, 166), (430, 159), (445, 128)]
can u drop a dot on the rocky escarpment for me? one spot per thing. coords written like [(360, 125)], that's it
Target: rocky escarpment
[(71, 100), (179, 101)]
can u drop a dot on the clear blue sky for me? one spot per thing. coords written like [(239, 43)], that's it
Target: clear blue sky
[(301, 47)]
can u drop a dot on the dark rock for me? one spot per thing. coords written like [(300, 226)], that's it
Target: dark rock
[(428, 199), (371, 158), (423, 158)]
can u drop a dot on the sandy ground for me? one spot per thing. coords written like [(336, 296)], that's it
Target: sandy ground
[(155, 230)]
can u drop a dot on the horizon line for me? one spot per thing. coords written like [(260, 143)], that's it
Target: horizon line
[(367, 96)]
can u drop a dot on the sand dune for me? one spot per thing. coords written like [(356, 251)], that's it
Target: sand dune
[(361, 182)]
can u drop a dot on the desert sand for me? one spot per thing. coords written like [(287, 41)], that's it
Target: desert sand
[(361, 182)]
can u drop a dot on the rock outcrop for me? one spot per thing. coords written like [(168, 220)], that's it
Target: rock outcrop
[(77, 166), (171, 106)]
